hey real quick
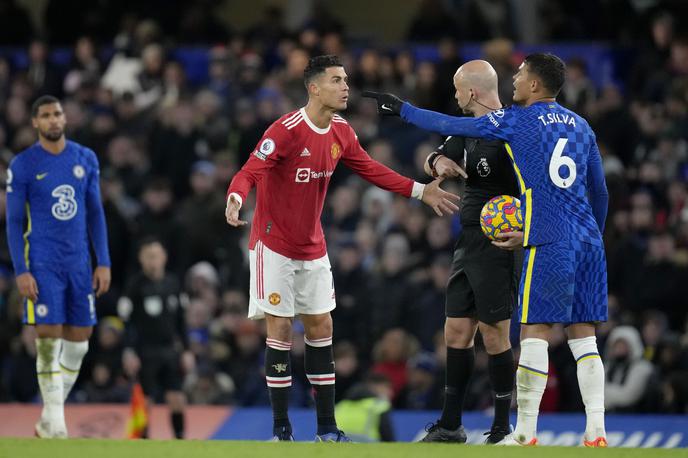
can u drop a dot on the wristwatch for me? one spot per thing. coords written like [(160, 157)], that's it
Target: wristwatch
[(432, 160)]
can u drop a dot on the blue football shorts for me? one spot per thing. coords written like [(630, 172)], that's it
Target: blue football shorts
[(63, 298), (563, 282)]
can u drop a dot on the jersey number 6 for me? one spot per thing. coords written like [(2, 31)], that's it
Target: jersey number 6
[(557, 161)]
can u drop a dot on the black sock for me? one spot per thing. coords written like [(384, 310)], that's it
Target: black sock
[(460, 364), (278, 378), (501, 371), (177, 419), (319, 363)]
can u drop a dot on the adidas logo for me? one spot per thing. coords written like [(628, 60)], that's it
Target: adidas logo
[(305, 153)]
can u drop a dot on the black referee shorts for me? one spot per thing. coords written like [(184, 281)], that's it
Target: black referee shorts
[(160, 372), (484, 279)]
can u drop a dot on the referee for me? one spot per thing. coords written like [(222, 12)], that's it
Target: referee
[(483, 284), (153, 310)]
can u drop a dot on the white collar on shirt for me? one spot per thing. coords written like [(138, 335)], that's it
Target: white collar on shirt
[(313, 127)]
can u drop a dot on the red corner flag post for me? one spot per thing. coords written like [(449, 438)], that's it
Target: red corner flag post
[(138, 418)]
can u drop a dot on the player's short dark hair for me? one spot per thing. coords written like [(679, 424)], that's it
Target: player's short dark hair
[(42, 100), (317, 65), (550, 69)]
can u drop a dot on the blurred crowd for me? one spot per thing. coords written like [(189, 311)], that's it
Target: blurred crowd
[(168, 149)]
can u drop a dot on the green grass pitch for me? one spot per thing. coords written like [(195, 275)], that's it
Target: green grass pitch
[(100, 448)]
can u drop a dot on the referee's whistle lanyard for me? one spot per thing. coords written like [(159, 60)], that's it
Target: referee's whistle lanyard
[(463, 108)]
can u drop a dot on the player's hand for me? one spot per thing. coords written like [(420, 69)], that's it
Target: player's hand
[(387, 104), (509, 240), (27, 286), (101, 280), (446, 168), (232, 213), (440, 200)]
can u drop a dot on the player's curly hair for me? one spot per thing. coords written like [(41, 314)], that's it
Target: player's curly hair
[(317, 65), (549, 68), (42, 100)]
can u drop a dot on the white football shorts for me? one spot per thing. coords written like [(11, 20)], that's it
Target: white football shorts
[(288, 287)]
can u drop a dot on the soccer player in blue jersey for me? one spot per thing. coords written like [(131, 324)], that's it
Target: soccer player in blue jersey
[(53, 208), (564, 197)]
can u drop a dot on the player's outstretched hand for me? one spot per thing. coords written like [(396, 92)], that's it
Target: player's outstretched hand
[(27, 286), (101, 280), (387, 104), (509, 240), (447, 168), (232, 213), (440, 200)]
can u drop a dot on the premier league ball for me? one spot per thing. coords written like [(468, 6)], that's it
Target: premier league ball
[(501, 214)]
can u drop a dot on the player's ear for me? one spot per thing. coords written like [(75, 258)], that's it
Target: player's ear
[(313, 89), (534, 85)]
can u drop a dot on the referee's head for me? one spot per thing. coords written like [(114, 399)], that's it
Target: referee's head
[(476, 88)]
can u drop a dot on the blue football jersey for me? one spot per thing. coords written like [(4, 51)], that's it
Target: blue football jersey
[(53, 204), (557, 163)]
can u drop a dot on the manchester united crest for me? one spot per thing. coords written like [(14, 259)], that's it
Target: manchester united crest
[(335, 151), (275, 298)]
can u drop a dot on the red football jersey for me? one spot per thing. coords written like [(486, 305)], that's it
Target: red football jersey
[(291, 167)]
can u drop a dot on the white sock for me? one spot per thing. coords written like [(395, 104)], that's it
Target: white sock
[(50, 380), (531, 380), (70, 363), (591, 382)]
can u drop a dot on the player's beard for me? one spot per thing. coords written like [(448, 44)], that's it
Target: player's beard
[(52, 135), (518, 99)]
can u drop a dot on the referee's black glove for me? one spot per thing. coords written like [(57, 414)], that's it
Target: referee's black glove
[(387, 104)]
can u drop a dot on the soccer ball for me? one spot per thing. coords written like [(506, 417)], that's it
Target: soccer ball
[(501, 214)]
